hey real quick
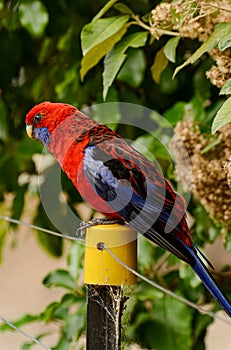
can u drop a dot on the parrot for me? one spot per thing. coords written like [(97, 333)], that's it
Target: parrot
[(119, 182)]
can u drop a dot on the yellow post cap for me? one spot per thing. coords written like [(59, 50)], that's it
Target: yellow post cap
[(100, 267)]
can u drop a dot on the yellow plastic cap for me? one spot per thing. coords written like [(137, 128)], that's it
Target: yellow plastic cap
[(100, 267)]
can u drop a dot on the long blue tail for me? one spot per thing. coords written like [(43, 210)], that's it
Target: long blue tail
[(206, 277)]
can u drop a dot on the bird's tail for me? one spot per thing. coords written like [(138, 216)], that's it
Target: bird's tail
[(202, 271)]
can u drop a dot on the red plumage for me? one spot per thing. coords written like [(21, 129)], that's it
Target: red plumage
[(118, 181)]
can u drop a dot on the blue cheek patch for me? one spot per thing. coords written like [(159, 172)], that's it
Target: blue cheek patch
[(42, 134)]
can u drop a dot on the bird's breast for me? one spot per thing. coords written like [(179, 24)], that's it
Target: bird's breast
[(72, 164)]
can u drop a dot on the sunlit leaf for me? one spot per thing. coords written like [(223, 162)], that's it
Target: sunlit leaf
[(225, 41), (97, 32), (94, 55), (33, 17), (170, 48), (223, 116), (226, 89), (221, 30)]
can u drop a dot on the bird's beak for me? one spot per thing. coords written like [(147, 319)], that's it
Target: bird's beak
[(29, 130)]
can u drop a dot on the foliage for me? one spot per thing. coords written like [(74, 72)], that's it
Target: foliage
[(85, 53), (69, 312)]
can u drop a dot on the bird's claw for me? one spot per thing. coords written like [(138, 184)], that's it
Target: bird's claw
[(84, 225)]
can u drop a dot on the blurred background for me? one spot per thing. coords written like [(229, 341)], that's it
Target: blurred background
[(54, 51)]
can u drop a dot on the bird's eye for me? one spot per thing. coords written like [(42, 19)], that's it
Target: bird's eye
[(37, 118)]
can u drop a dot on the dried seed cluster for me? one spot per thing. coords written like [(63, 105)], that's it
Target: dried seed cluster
[(196, 20), (221, 72), (208, 178)]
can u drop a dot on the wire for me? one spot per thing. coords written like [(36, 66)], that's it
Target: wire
[(54, 233), (164, 290), (145, 279), (18, 222), (19, 330)]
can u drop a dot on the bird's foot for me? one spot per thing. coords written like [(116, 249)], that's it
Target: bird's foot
[(84, 225)]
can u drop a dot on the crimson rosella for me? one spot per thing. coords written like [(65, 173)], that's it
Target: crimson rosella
[(119, 182)]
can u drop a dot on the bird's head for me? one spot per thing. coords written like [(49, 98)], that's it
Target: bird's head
[(44, 118)]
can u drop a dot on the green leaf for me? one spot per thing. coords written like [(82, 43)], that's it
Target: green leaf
[(52, 244), (3, 236), (159, 64), (201, 323), (28, 346), (123, 8), (211, 145), (102, 12), (69, 78), (97, 32), (225, 41), (133, 70), (96, 49), (33, 17), (227, 242), (25, 319), (221, 30), (166, 326), (176, 112), (74, 324), (223, 116), (205, 228), (75, 260), (170, 48), (63, 344), (18, 202), (4, 129), (188, 275), (150, 144), (172, 325), (197, 107), (116, 57), (60, 310), (106, 113), (59, 278), (145, 254), (226, 89)]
